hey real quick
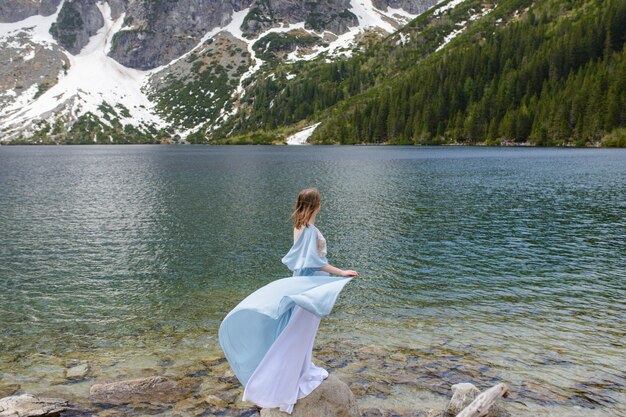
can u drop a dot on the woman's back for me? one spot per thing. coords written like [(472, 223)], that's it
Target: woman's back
[(322, 249)]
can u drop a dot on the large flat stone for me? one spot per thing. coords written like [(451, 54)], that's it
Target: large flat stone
[(27, 405), (150, 389)]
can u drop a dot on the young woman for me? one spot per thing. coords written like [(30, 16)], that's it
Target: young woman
[(268, 338)]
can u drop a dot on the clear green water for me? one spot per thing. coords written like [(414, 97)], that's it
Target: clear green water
[(131, 255)]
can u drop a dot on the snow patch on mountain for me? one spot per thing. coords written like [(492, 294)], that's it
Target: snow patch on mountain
[(257, 61), (395, 13), (369, 16), (302, 136), (452, 35), (462, 26), (450, 5), (476, 16), (403, 39), (92, 79), (36, 26), (342, 46)]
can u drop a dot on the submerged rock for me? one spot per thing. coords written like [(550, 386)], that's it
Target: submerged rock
[(373, 412), (215, 401), (379, 412), (77, 372), (27, 405), (154, 388), (332, 398), (9, 389)]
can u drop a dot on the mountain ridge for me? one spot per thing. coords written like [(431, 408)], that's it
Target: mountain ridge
[(480, 73), (81, 28), (235, 86)]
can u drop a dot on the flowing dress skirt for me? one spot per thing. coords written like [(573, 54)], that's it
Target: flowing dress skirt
[(268, 338), (290, 359)]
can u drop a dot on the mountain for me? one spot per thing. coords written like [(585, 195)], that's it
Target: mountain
[(543, 72), (143, 71), (531, 72)]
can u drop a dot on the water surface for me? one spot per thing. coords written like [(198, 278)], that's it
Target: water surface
[(514, 258)]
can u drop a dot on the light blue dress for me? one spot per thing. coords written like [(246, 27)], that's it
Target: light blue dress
[(252, 328)]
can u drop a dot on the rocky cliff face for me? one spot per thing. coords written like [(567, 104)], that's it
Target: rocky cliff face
[(34, 68), (16, 10), (331, 15), (156, 32), (413, 7), (77, 21)]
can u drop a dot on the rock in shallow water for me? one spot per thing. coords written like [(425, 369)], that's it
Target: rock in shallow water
[(8, 389), (332, 398), (77, 372), (27, 405), (462, 396), (154, 388), (379, 412), (215, 401)]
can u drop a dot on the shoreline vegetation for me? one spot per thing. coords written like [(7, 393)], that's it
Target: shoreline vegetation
[(615, 140), (443, 145)]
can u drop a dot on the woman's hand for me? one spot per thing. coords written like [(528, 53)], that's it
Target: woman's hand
[(339, 272)]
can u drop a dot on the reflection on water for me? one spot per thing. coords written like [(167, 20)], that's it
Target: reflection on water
[(124, 255)]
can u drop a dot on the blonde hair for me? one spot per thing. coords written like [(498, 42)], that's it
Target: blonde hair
[(308, 202)]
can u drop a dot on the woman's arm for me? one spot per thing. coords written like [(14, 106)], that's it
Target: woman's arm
[(339, 272)]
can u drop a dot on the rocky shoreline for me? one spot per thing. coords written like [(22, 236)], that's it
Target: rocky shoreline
[(210, 388), (333, 398)]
